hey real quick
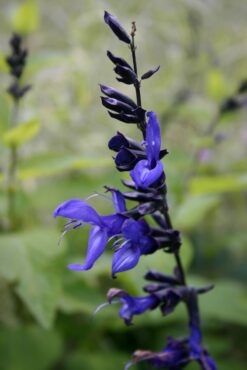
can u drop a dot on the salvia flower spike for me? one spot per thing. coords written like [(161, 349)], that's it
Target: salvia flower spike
[(127, 231)]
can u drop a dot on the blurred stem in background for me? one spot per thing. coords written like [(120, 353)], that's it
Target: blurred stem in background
[(16, 62), (12, 175)]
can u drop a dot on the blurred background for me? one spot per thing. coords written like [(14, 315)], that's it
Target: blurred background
[(199, 94)]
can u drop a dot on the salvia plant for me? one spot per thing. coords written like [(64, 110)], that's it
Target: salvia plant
[(128, 232)]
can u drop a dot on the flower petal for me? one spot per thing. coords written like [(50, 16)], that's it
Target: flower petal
[(143, 176), (134, 230), (136, 306), (78, 210), (153, 138), (96, 246), (118, 201), (113, 224), (125, 258), (116, 27), (209, 362), (131, 305)]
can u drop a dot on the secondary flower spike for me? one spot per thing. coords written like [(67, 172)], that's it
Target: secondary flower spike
[(116, 27)]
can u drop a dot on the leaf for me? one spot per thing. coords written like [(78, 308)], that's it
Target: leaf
[(218, 184), (7, 307), (52, 164), (3, 64), (26, 17), (94, 360), (227, 302), (150, 73), (29, 348), (216, 84), (22, 133), (194, 209), (4, 112), (30, 260)]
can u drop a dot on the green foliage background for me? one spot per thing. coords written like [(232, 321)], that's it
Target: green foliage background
[(46, 311)]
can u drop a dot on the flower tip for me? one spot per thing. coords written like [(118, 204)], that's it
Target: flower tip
[(116, 28), (106, 16), (75, 267), (56, 212), (151, 114)]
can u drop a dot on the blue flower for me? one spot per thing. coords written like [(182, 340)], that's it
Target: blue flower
[(131, 305), (137, 242), (148, 171), (132, 237), (116, 27), (173, 357), (104, 227), (176, 355)]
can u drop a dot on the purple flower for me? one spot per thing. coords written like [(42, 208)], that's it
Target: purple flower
[(104, 227), (132, 237), (176, 355), (131, 305), (116, 27), (129, 152), (148, 171), (136, 243)]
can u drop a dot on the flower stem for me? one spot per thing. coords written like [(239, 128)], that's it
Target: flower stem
[(192, 301), (180, 268), (142, 125)]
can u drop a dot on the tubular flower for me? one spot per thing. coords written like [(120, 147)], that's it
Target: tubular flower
[(131, 305), (176, 355), (148, 171), (132, 237), (104, 227), (116, 27), (137, 242)]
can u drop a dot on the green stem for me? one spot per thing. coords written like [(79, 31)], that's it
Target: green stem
[(11, 175)]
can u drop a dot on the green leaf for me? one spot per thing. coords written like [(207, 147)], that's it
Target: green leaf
[(194, 209), (29, 348), (22, 133), (7, 306), (218, 184), (52, 164), (29, 259), (94, 360), (3, 64), (26, 17), (216, 84), (4, 112), (226, 302)]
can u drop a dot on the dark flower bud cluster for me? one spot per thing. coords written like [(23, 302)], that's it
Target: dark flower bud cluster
[(17, 62), (127, 230)]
